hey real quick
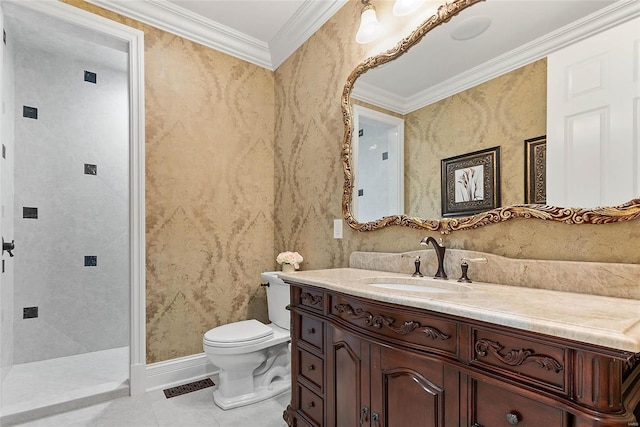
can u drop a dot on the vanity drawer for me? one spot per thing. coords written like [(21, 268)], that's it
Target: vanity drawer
[(309, 298), (311, 368), (530, 360), (311, 332), (398, 324), (496, 407), (311, 405)]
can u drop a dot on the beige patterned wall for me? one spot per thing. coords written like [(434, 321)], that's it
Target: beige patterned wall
[(211, 144), (501, 112), (309, 178), (209, 189)]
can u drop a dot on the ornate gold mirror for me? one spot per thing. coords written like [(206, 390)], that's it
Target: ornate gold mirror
[(448, 120)]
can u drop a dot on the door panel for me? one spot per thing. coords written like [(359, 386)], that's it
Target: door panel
[(351, 377), (407, 390), (592, 119)]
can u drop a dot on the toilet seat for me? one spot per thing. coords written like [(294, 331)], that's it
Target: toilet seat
[(238, 334)]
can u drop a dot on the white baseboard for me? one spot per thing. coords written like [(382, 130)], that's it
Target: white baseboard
[(171, 373)]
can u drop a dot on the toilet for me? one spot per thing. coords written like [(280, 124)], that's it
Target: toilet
[(253, 358)]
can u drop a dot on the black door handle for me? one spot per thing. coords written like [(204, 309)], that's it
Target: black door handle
[(6, 246)]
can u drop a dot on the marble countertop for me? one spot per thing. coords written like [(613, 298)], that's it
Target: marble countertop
[(599, 320)]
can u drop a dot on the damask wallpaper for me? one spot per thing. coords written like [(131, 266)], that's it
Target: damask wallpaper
[(243, 163), (209, 189), (501, 112), (309, 188)]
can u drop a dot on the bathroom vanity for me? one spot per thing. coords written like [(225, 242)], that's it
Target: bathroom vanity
[(383, 349)]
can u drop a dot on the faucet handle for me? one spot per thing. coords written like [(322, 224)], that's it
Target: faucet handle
[(464, 267), (416, 262)]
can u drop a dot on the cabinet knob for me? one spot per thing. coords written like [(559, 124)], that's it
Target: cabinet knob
[(476, 425), (311, 331), (363, 414), (310, 368), (310, 405), (513, 418), (375, 418)]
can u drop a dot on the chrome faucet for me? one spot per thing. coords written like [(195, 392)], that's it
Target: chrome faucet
[(440, 250)]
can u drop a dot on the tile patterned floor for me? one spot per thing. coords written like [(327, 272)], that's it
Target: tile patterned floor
[(75, 378), (155, 410)]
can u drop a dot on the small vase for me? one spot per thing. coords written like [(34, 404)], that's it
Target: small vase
[(288, 268)]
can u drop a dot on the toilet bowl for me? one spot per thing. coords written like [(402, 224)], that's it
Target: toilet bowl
[(253, 358)]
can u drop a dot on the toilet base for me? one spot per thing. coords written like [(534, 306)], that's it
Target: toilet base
[(276, 387)]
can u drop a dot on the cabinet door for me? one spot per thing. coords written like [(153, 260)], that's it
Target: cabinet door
[(347, 381), (409, 390)]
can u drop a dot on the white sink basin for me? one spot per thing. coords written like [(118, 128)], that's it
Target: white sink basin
[(423, 285)]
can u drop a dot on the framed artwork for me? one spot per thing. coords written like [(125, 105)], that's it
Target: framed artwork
[(535, 170), (471, 182)]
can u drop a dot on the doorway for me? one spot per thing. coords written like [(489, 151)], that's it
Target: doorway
[(378, 164), (71, 202)]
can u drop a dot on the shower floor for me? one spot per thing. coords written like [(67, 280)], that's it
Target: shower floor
[(33, 390)]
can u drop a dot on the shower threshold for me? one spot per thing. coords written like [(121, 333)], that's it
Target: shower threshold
[(38, 389)]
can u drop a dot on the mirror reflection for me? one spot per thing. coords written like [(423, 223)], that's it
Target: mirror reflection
[(498, 97)]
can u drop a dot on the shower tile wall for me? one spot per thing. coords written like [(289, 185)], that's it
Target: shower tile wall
[(7, 179), (82, 306)]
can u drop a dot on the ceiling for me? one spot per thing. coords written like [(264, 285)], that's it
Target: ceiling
[(521, 32), (263, 32), (267, 32)]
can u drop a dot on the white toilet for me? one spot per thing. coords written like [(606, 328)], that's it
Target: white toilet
[(254, 358)]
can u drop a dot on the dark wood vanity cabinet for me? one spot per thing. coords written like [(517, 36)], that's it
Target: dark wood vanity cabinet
[(359, 362)]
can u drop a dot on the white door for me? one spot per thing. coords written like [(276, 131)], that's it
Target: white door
[(593, 118)]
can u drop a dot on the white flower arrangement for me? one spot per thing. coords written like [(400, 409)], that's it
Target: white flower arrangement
[(293, 258)]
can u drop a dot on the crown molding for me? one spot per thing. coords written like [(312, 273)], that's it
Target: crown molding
[(604, 19), (307, 20), (184, 23)]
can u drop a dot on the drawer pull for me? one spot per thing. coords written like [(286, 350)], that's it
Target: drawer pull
[(513, 418), (311, 368), (311, 405), (516, 357), (311, 331), (476, 425)]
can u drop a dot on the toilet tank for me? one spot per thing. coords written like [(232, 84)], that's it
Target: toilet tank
[(277, 300)]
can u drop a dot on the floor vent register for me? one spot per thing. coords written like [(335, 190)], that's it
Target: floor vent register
[(188, 388)]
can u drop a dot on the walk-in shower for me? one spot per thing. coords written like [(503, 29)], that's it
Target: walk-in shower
[(65, 294)]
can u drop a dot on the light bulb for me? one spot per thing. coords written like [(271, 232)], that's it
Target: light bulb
[(370, 29)]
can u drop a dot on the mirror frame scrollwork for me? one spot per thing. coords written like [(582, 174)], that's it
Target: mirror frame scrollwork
[(599, 215)]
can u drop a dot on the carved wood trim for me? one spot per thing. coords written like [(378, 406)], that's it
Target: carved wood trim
[(599, 215), (631, 363), (287, 416), (311, 299), (378, 321), (516, 357)]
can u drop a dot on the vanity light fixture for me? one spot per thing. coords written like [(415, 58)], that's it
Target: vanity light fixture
[(406, 7), (370, 29)]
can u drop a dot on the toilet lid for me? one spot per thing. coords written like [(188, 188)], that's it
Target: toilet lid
[(238, 333)]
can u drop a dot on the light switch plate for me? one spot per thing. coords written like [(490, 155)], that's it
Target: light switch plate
[(337, 229)]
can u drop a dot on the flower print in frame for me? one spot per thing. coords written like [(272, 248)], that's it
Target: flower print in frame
[(471, 182)]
